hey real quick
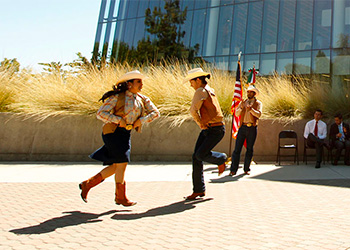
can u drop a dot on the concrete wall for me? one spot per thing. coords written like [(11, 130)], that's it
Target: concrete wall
[(73, 138)]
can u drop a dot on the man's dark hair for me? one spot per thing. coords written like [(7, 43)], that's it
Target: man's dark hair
[(319, 110), (340, 116)]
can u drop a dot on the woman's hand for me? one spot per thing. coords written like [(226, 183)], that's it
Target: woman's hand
[(137, 123)]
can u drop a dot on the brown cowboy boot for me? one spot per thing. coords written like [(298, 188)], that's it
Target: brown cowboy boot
[(85, 186), (120, 196), (193, 196)]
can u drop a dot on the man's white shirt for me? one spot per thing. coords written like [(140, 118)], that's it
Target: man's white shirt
[(321, 129)]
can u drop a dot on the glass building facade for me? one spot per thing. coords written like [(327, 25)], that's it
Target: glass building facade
[(302, 37)]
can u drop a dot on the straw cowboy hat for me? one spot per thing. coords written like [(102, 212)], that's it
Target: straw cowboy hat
[(194, 73), (252, 88), (131, 75)]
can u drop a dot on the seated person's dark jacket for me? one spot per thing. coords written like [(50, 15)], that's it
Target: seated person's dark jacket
[(335, 130)]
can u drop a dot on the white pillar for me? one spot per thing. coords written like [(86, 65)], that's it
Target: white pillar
[(338, 21), (212, 31)]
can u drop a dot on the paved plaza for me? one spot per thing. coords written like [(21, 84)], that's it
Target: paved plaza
[(276, 207)]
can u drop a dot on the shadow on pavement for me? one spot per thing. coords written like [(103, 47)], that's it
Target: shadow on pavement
[(212, 169), (227, 178), (177, 207), (72, 218), (344, 183), (325, 176)]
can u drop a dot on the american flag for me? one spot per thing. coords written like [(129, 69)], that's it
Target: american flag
[(237, 98)]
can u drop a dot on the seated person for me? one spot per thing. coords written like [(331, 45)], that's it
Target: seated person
[(339, 136), (315, 132)]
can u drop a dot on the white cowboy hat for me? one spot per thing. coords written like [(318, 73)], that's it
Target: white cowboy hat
[(131, 75), (253, 88), (194, 73)]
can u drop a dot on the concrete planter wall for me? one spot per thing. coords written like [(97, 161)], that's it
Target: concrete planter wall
[(73, 138)]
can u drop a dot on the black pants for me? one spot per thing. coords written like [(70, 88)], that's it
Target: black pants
[(339, 145), (207, 140), (244, 133), (317, 143)]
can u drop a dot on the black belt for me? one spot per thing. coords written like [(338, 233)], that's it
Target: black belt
[(215, 124)]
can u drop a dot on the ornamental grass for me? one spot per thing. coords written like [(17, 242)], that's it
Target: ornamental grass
[(77, 93)]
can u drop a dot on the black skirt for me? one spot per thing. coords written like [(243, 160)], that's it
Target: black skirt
[(116, 148)]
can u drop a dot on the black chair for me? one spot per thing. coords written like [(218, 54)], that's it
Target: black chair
[(284, 137), (305, 152)]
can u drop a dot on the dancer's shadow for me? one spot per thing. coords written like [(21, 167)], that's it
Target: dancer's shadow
[(227, 178), (173, 208), (72, 218), (211, 169)]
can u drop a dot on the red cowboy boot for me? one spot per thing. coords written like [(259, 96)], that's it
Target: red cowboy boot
[(85, 186), (120, 196), (193, 196)]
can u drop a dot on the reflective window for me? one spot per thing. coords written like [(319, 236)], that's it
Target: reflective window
[(209, 60), (107, 9), (286, 25), (122, 9), (241, 1), (103, 33), (239, 28), (118, 36), (303, 32), (211, 32), (143, 5), (111, 38), (285, 63), (187, 3), (213, 3), (129, 31), (132, 8), (102, 11), (270, 24), (153, 4), (250, 61), (226, 2), (199, 4), (198, 26), (233, 63), (341, 62), (302, 62), (116, 9), (224, 32), (341, 24), (322, 24), (186, 26), (321, 62), (254, 27), (222, 62), (267, 64), (162, 4), (111, 11), (139, 31)]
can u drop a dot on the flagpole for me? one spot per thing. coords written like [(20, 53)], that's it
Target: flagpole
[(233, 115)]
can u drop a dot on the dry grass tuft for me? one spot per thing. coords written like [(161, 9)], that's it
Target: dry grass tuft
[(281, 98), (44, 95)]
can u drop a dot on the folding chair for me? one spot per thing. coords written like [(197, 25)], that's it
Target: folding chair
[(284, 137)]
